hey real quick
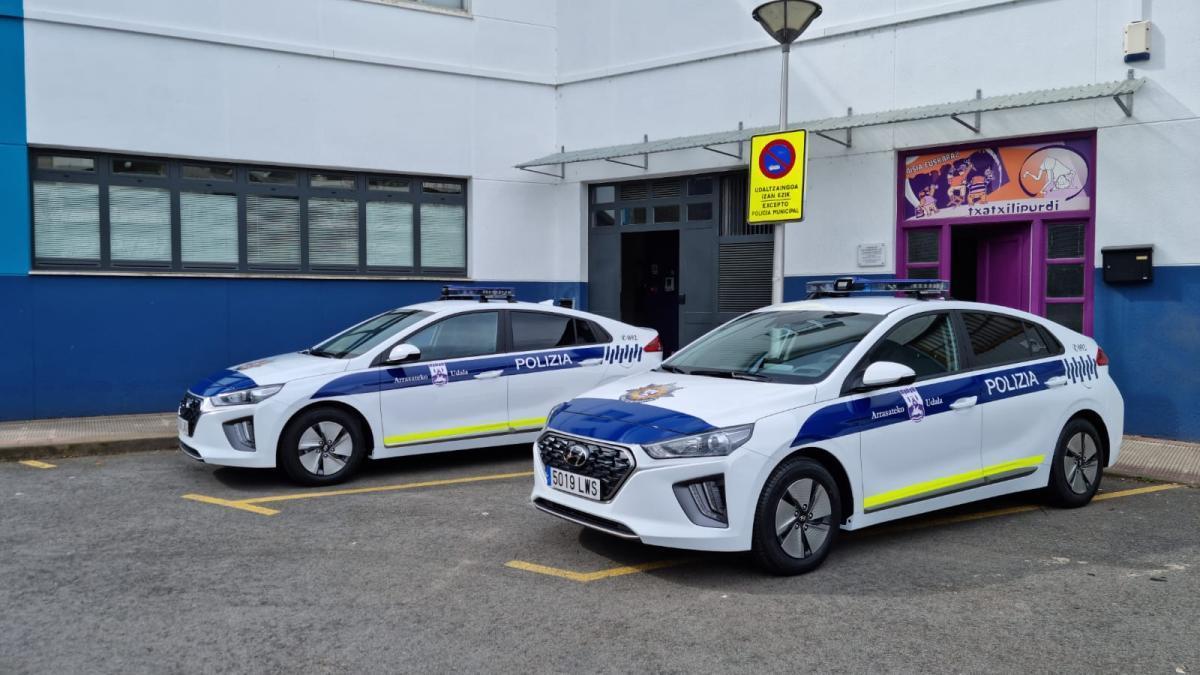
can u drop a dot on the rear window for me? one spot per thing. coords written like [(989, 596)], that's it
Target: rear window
[(543, 330), (997, 339)]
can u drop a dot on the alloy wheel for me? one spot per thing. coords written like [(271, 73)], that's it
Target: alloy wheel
[(324, 448), (803, 518), (1081, 463)]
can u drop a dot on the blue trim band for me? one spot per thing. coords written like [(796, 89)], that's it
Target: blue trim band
[(624, 422), (221, 382), (884, 409)]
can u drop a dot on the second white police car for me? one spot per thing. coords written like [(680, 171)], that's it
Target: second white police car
[(790, 423), (452, 374)]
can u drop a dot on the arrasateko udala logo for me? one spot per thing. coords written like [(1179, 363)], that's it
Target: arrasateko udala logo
[(650, 392)]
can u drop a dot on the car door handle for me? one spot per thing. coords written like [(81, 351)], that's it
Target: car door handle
[(964, 403), (591, 362), (1056, 381), (489, 374)]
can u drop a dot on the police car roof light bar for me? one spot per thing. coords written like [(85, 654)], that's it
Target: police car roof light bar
[(481, 293), (844, 286)]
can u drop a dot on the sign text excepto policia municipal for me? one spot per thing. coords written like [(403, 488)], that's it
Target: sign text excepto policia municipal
[(777, 205)]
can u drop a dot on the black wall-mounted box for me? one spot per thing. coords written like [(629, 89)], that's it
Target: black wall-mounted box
[(1128, 264)]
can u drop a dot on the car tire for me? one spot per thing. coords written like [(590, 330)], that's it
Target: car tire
[(322, 446), (799, 504), (1076, 469)]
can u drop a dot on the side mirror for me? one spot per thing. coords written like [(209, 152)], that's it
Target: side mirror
[(402, 353), (886, 374)]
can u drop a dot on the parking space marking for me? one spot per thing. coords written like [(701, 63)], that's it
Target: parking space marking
[(251, 504), (585, 577), (37, 464), (233, 504)]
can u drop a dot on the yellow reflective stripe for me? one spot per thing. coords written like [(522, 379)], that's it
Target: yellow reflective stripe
[(949, 481), (472, 430), (528, 423)]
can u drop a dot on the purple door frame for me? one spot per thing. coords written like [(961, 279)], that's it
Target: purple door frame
[(1037, 229)]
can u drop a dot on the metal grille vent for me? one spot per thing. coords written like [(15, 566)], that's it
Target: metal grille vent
[(1064, 241), (744, 283), (667, 187), (629, 191), (923, 245)]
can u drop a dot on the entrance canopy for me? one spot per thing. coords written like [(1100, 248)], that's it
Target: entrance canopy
[(840, 129)]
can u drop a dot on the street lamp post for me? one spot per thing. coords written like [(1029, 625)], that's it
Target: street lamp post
[(784, 21)]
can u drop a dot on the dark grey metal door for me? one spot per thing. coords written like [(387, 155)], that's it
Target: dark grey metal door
[(697, 280), (604, 272)]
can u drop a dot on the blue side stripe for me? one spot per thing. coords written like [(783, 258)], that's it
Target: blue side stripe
[(624, 422), (221, 382), (881, 410), (424, 375)]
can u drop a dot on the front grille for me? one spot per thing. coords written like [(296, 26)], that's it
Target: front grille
[(189, 410), (609, 463)]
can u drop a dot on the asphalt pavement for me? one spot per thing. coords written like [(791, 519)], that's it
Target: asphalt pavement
[(152, 563)]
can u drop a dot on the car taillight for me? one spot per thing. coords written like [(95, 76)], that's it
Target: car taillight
[(653, 346), (1101, 357)]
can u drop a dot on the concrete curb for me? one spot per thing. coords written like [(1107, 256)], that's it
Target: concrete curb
[(88, 448), (1158, 459)]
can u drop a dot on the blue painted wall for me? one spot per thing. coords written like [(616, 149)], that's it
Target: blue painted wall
[(14, 182), (1151, 333), (96, 345)]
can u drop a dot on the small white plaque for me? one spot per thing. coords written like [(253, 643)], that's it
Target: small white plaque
[(870, 255)]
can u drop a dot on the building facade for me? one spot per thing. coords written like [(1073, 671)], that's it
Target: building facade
[(188, 186)]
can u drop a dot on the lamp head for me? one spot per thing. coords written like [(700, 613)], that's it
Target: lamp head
[(785, 20)]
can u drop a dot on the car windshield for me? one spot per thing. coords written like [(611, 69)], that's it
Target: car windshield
[(360, 339), (786, 346)]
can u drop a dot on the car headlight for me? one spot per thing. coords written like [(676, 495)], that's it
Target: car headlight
[(716, 443), (245, 396)]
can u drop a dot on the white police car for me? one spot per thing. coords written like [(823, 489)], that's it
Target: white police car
[(782, 427), (456, 373)]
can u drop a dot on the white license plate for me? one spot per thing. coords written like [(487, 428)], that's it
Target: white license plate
[(574, 483), (183, 426)]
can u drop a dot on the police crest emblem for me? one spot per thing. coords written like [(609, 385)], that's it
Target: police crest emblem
[(650, 392)]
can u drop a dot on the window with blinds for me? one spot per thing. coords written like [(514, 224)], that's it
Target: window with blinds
[(119, 212)]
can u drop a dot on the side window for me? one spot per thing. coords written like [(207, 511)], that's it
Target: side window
[(997, 339), (588, 333), (472, 334), (924, 343), (1040, 336), (541, 330)]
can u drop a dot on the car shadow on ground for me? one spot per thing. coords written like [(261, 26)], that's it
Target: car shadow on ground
[(480, 461)]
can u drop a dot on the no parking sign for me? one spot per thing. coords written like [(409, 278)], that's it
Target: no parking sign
[(777, 163)]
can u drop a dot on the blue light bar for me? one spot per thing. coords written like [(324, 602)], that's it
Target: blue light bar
[(480, 293), (848, 285)]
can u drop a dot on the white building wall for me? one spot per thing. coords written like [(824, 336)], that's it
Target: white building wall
[(325, 83), (362, 85), (706, 68)]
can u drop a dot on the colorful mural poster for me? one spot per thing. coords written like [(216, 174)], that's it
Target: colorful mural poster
[(997, 180)]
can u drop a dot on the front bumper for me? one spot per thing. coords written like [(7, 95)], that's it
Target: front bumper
[(646, 506), (209, 441)]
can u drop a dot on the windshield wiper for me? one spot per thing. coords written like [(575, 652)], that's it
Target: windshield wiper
[(731, 374), (671, 369), (753, 377), (322, 353)]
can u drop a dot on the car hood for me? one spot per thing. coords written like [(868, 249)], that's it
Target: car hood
[(657, 406), (271, 370)]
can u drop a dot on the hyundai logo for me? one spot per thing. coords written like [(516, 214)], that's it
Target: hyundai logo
[(576, 455)]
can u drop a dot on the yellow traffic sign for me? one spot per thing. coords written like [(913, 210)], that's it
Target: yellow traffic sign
[(777, 163)]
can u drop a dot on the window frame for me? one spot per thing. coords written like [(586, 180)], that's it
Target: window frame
[(502, 342), (853, 381), (604, 337), (240, 187)]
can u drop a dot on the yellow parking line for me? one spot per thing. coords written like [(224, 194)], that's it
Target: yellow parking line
[(36, 464), (1008, 511), (233, 504), (585, 577), (251, 504)]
